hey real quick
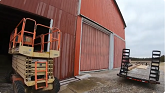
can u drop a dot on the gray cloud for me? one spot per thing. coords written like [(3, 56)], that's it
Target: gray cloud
[(145, 26)]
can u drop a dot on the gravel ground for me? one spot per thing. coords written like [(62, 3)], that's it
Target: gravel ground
[(117, 84), (104, 82)]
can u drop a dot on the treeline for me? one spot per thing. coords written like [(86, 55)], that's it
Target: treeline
[(162, 59), (140, 59)]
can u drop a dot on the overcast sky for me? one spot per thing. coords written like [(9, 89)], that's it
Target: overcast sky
[(145, 26)]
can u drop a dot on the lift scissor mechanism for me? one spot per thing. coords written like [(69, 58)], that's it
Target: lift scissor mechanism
[(32, 60)]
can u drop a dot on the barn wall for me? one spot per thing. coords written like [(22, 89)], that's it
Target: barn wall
[(64, 15), (43, 7), (104, 12), (64, 65), (119, 45)]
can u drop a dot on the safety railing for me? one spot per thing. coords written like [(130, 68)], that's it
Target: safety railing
[(42, 38), (19, 35)]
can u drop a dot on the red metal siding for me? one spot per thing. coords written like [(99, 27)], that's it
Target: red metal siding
[(64, 65), (43, 7), (105, 13), (64, 15), (94, 49), (119, 45)]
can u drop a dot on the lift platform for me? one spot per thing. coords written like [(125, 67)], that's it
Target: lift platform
[(33, 55), (149, 75)]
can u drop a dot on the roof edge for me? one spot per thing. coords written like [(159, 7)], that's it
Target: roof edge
[(120, 13)]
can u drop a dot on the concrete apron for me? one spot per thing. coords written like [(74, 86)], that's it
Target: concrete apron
[(82, 86)]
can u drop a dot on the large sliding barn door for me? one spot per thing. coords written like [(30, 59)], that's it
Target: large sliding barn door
[(94, 49)]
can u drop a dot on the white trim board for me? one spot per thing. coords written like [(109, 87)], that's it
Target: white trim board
[(88, 22), (79, 7), (118, 37), (111, 51)]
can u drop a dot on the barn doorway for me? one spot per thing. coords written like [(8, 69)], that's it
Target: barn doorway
[(9, 18)]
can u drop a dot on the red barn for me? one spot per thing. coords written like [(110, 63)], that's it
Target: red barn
[(92, 31)]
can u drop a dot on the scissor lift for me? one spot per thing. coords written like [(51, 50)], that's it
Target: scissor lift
[(32, 65)]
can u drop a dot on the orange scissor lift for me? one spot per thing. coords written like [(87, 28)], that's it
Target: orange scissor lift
[(32, 66)]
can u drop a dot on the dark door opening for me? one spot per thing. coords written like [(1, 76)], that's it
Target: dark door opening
[(9, 18)]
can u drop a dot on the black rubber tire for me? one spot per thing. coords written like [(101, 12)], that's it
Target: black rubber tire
[(29, 89), (158, 75), (56, 85), (18, 87), (8, 76)]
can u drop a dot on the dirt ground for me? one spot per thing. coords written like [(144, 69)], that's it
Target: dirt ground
[(102, 82), (109, 82)]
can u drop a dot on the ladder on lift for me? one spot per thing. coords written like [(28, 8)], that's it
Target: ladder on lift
[(45, 78), (125, 61), (154, 70)]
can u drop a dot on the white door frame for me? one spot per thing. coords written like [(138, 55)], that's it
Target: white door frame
[(48, 45), (111, 51)]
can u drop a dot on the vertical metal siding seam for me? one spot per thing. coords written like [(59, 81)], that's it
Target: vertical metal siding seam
[(80, 45), (71, 55), (97, 52), (68, 50), (34, 6), (70, 64), (59, 18), (30, 5), (43, 9), (52, 12), (104, 49), (65, 55), (49, 11), (55, 14), (99, 63), (60, 59), (61, 54), (68, 70), (39, 8), (66, 59)]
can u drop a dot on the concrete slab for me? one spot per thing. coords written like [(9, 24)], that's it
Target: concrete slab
[(82, 86), (65, 89)]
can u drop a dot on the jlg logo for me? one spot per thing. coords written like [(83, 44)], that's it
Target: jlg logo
[(26, 52)]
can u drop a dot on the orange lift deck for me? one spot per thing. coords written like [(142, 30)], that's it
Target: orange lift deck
[(32, 60)]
